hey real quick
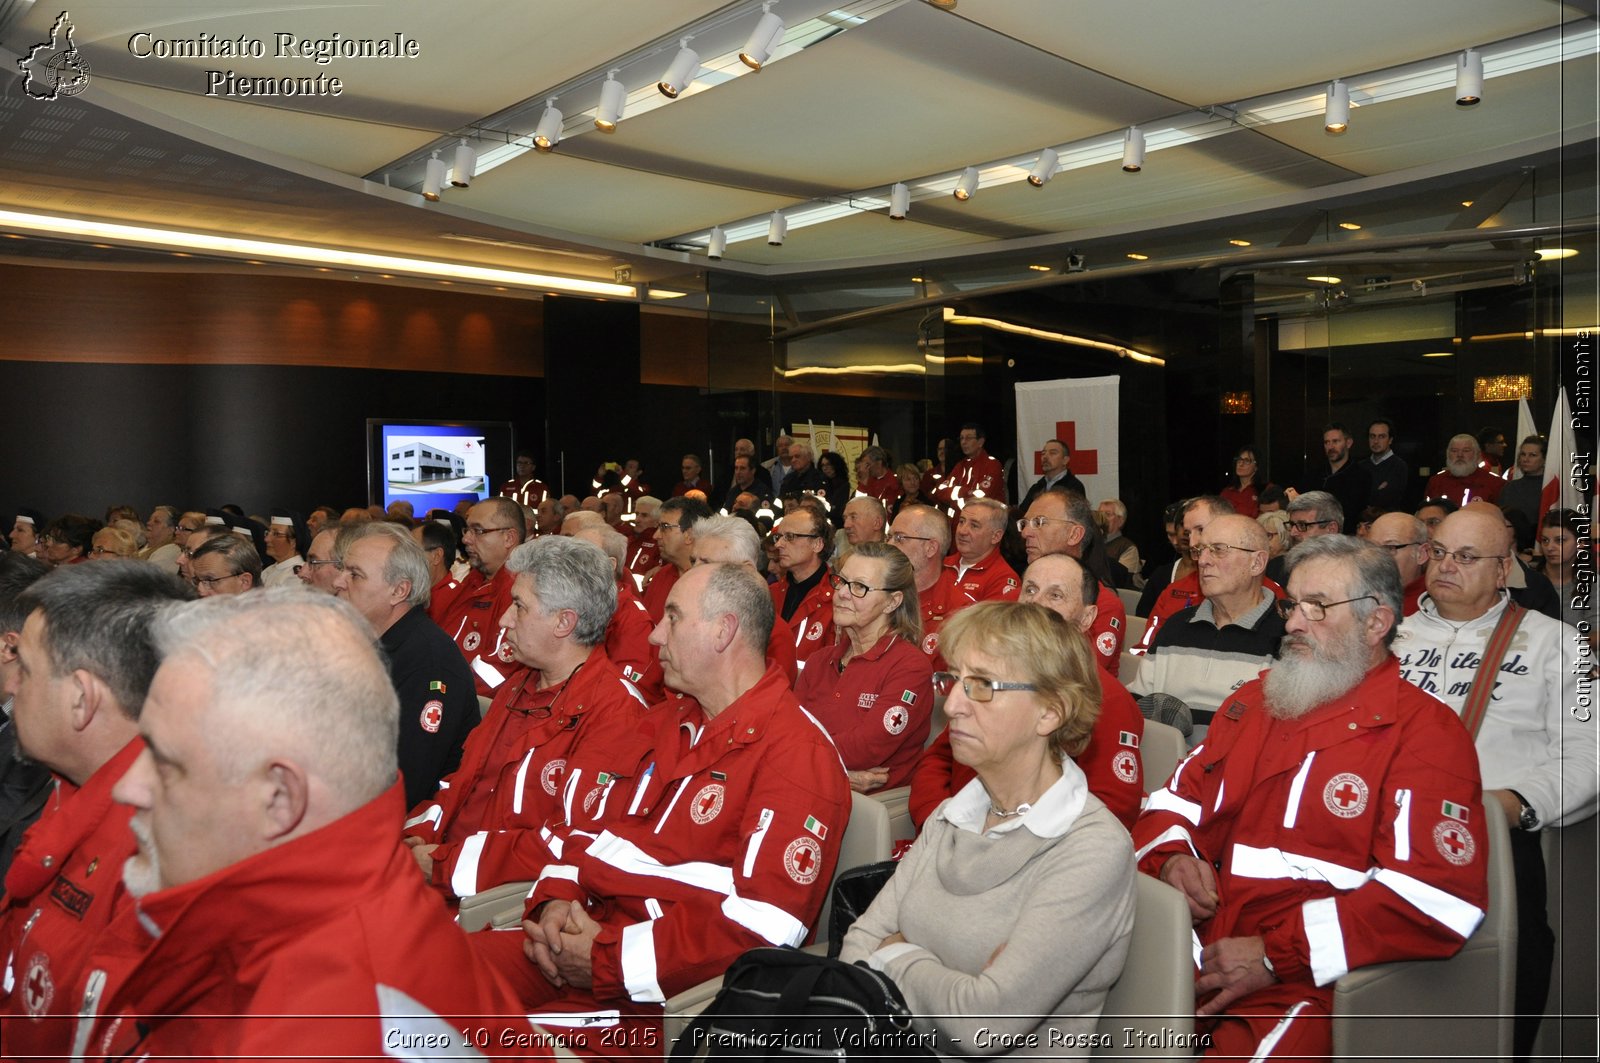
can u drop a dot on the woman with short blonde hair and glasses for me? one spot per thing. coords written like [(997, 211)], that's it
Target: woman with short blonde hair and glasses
[(1013, 910)]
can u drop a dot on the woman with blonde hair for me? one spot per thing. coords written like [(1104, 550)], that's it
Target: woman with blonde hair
[(1010, 916), (873, 689)]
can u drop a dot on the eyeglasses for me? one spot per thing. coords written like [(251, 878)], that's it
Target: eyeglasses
[(669, 526), (857, 590), (1220, 550), (276, 533), (789, 537), (1464, 558), (212, 581), (476, 530), (1397, 547), (896, 538), (1039, 522), (48, 540), (338, 566), (99, 551), (1303, 526), (186, 528), (1313, 611), (976, 687)]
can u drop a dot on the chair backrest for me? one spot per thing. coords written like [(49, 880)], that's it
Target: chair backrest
[(1450, 1009), (1128, 666), (483, 705), (1130, 600), (898, 802), (1160, 749), (1155, 995), (938, 721), (1134, 631), (866, 841)]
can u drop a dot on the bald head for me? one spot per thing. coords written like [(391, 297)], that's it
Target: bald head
[(1467, 591), (1406, 538), (1061, 584)]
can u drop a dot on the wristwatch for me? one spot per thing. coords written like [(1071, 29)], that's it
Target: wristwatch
[(1528, 819)]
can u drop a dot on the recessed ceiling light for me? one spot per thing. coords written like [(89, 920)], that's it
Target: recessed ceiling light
[(666, 293), (1440, 354), (1466, 202), (1349, 226), (1324, 280), (1040, 269), (1137, 257), (1555, 252), (101, 247), (1240, 243), (916, 280), (181, 254)]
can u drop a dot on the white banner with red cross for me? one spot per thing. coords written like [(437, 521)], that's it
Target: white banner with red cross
[(1083, 415)]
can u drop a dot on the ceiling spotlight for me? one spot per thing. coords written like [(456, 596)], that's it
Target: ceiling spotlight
[(1469, 78), (777, 229), (763, 39), (899, 202), (433, 179), (466, 165), (1324, 280), (685, 65), (1038, 268), (1133, 150), (1045, 168), (548, 133), (1336, 114), (1240, 243), (1137, 257), (968, 184), (1547, 253), (717, 244), (1350, 226), (613, 96)]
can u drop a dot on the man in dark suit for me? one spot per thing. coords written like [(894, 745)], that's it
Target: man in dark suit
[(1055, 460)]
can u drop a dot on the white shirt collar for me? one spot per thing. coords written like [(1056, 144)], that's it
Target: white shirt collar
[(1050, 817)]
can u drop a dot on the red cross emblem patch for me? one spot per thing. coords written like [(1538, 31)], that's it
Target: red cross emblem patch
[(38, 988), (1455, 842), (432, 716), (895, 719), (707, 803), (1345, 795), (1106, 643), (472, 641), (930, 644), (803, 860), (1126, 766), (549, 773)]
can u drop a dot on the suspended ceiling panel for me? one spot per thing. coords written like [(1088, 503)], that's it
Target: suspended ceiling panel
[(1226, 50), (1416, 130), (910, 93), (851, 237)]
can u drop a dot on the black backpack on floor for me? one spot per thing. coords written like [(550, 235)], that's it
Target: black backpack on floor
[(784, 1003)]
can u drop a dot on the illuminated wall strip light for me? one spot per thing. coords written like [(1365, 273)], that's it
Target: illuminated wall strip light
[(302, 254), (851, 370), (1439, 75), (953, 318)]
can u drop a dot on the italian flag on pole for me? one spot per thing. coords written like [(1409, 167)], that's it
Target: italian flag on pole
[(1559, 490)]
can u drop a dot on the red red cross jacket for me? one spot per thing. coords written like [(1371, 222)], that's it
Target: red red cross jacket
[(1110, 623), (329, 946), (969, 476), (656, 589), (628, 646), (1110, 761), (877, 710), (1350, 836), (939, 603), (525, 788), (885, 489), (812, 622), (691, 840), (63, 888), (472, 620), (989, 580), (524, 492)]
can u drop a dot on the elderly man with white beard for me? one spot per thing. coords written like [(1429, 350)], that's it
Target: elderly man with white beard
[(1330, 761)]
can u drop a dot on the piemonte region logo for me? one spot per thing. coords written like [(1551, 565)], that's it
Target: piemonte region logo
[(55, 68)]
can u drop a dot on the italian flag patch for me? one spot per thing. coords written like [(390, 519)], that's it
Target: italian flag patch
[(1128, 738), (908, 697), (437, 685), (631, 674), (814, 825), (1455, 811)]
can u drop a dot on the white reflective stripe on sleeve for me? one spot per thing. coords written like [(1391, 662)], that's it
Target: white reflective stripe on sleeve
[(627, 857), (756, 838), (444, 784), (433, 814), (653, 908), (1325, 938), (1167, 801), (487, 672), (1196, 947), (584, 1019), (1250, 862), (599, 810), (1292, 812), (1269, 1042), (1402, 826), (1172, 833), (1222, 794), (10, 979), (464, 879), (567, 794), (551, 842), (768, 921), (1433, 902), (522, 778), (562, 871), (629, 683), (662, 820), (639, 964)]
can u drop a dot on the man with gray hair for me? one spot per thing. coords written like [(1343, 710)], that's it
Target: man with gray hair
[(1462, 480), (981, 573), (276, 912), (384, 574), (1406, 538), (24, 785), (1311, 514), (710, 828), (864, 521), (628, 633), (777, 466), (481, 828), (1121, 549), (1331, 819), (922, 533), (734, 541), (84, 660), (225, 564)]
